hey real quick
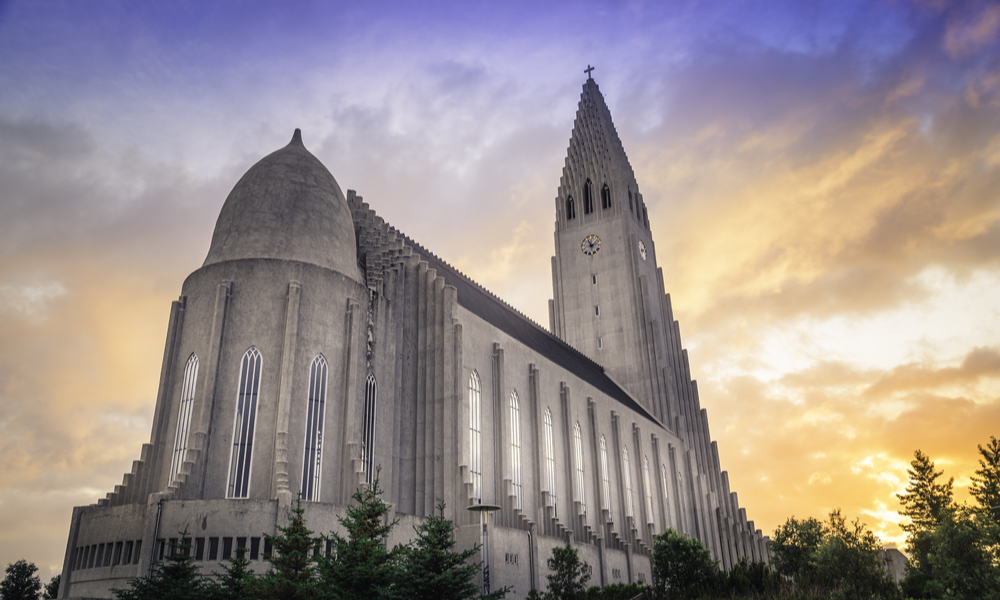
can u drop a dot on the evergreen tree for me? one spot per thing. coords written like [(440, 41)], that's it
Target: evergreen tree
[(985, 486), (176, 578), (361, 567), (569, 577), (292, 574), (430, 569), (52, 588), (850, 562), (20, 583), (925, 499), (682, 566), (236, 582), (958, 564)]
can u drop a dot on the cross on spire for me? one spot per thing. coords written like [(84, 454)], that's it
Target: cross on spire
[(588, 70)]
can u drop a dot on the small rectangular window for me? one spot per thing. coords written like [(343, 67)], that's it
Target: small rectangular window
[(127, 558), (107, 554), (175, 549), (593, 279), (597, 310), (241, 547), (600, 343), (267, 549), (135, 555), (160, 545), (227, 548), (213, 548), (255, 548), (329, 547), (118, 555), (100, 556), (199, 548)]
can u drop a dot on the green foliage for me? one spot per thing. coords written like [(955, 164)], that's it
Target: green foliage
[(750, 579), (292, 574), (682, 566), (20, 582), (851, 564), (51, 591), (430, 569), (985, 486), (176, 578), (925, 500), (361, 567), (616, 591), (957, 562), (569, 577), (236, 582), (794, 547)]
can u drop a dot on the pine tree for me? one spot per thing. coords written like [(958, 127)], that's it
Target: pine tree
[(176, 578), (430, 569), (985, 486), (292, 574), (925, 499), (20, 583), (236, 582), (569, 577), (361, 567)]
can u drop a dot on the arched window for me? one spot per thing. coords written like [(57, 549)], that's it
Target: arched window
[(476, 435), (627, 477), (570, 208), (243, 425), (588, 198), (312, 454), (580, 487), (550, 456), (515, 447), (605, 196), (368, 431), (184, 416), (649, 490), (605, 476)]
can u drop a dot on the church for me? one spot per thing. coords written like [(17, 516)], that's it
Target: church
[(318, 345)]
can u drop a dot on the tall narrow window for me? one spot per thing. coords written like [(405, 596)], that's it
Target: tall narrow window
[(550, 456), (627, 477), (243, 425), (649, 490), (605, 196), (312, 455), (605, 476), (184, 416), (368, 431), (581, 488), (588, 198), (666, 496), (630, 201), (570, 208), (476, 435), (515, 447), (645, 217)]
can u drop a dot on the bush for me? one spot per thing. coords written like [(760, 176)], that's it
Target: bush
[(682, 566)]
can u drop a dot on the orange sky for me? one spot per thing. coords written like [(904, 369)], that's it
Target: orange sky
[(823, 185)]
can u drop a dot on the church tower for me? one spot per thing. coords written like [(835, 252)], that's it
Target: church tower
[(608, 297)]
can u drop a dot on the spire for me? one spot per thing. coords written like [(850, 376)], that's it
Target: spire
[(595, 152)]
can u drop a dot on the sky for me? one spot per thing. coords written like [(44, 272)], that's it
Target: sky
[(822, 180)]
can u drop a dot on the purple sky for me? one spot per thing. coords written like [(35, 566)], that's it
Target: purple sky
[(822, 180)]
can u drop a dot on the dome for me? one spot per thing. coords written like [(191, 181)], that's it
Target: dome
[(287, 206)]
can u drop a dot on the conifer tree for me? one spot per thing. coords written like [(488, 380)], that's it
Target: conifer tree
[(292, 574), (430, 569), (20, 582), (925, 499), (361, 567), (236, 582), (985, 486), (175, 578)]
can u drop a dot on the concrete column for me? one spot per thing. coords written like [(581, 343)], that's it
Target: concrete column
[(159, 435), (279, 479), (200, 438)]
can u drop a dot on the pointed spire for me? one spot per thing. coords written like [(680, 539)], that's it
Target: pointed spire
[(297, 138)]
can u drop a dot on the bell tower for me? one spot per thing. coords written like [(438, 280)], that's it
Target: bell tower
[(608, 299)]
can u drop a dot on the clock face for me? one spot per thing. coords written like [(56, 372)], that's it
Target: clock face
[(642, 250), (591, 244)]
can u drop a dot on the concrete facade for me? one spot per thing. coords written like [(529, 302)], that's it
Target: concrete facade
[(339, 310)]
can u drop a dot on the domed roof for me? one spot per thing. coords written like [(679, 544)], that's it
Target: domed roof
[(287, 206)]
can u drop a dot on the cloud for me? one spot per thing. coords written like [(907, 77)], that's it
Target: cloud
[(968, 33)]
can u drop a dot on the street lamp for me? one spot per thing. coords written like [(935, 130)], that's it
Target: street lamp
[(482, 509)]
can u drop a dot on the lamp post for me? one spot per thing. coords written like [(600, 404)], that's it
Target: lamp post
[(482, 509)]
